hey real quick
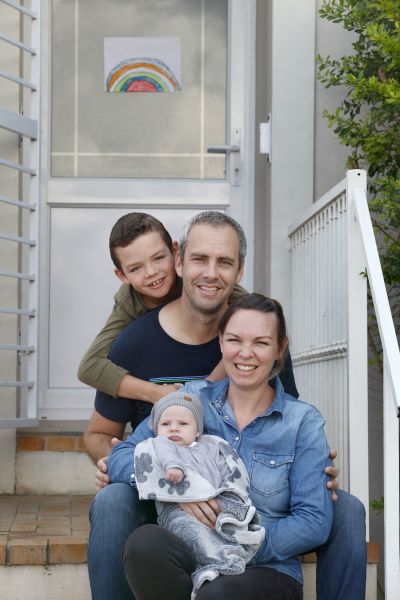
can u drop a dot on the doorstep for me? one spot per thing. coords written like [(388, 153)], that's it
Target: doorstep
[(43, 549), (43, 530)]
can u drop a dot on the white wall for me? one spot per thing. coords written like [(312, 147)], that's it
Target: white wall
[(291, 101)]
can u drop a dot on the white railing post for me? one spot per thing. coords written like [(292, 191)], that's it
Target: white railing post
[(357, 349)]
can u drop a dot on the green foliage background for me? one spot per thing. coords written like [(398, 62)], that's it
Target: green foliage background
[(368, 120)]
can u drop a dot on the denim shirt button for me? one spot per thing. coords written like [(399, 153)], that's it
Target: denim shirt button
[(226, 417), (237, 438), (217, 406), (271, 462)]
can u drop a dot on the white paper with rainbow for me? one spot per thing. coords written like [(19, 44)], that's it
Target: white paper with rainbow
[(142, 64)]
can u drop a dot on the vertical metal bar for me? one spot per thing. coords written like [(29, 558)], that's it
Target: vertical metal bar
[(391, 488)]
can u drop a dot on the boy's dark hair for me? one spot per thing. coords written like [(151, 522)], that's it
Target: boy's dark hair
[(265, 305), (131, 226)]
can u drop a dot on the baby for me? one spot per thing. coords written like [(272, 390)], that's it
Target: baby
[(181, 465), (177, 420)]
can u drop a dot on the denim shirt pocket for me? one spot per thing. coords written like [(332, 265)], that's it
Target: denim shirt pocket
[(269, 472)]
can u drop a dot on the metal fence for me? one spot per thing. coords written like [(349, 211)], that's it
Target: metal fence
[(333, 250)]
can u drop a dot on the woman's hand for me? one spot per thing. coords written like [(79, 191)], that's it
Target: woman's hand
[(205, 512), (333, 472)]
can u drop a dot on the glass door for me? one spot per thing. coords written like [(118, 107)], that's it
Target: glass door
[(152, 109)]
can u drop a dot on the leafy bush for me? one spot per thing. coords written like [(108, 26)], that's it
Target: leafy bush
[(368, 119)]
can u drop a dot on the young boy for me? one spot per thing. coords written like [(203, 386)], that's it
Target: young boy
[(143, 254), (181, 465)]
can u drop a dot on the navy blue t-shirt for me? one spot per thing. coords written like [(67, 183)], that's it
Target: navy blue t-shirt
[(149, 353)]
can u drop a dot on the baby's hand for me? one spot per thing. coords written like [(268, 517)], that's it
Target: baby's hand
[(175, 475)]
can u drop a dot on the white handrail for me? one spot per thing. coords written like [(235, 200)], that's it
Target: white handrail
[(379, 295), (391, 394)]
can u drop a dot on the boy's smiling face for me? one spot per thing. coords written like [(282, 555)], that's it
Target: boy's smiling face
[(147, 264)]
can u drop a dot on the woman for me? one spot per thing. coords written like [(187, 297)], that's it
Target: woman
[(282, 443)]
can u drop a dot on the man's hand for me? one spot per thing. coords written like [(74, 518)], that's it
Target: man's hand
[(333, 472), (175, 475), (101, 478), (205, 512)]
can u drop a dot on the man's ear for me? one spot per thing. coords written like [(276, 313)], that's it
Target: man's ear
[(121, 275), (178, 263), (240, 274)]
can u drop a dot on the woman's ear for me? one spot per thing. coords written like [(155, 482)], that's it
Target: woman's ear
[(283, 347), (220, 341)]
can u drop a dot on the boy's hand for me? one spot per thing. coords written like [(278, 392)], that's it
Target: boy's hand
[(205, 512), (175, 475), (164, 389), (101, 477), (333, 472)]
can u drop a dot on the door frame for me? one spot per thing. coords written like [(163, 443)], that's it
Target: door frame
[(161, 193)]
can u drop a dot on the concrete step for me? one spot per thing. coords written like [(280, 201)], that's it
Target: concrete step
[(53, 464), (43, 546)]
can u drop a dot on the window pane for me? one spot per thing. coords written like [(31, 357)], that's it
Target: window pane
[(138, 134)]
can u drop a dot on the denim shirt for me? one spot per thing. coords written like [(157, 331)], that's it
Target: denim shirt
[(285, 452)]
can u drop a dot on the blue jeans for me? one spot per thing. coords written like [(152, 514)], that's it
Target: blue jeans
[(116, 511), (342, 560)]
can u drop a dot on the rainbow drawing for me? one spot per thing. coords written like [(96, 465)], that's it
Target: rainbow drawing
[(142, 75)]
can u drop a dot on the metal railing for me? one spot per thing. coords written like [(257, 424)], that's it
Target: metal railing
[(21, 207), (333, 246)]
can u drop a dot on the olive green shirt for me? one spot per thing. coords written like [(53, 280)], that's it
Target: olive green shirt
[(95, 368)]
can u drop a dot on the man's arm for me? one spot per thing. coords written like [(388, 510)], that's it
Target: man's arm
[(98, 435)]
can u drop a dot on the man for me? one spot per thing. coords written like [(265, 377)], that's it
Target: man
[(180, 340)]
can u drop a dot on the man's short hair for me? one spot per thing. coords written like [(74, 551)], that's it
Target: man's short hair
[(131, 226), (215, 219)]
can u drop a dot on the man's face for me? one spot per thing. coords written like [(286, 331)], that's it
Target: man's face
[(210, 267)]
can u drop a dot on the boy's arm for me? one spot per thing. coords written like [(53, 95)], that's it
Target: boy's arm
[(95, 368), (98, 371), (217, 373)]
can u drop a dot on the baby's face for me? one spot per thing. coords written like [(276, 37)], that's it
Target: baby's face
[(178, 424)]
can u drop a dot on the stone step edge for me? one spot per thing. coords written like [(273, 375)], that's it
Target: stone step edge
[(42, 442), (57, 550), (40, 550)]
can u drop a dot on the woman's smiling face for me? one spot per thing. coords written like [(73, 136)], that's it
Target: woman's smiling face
[(249, 347)]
